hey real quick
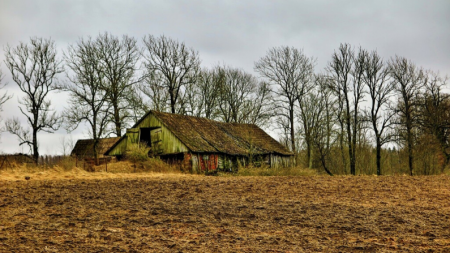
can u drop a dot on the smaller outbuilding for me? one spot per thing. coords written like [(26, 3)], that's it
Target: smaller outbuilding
[(203, 145), (85, 148)]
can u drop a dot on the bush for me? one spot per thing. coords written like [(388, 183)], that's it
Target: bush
[(137, 153), (67, 163)]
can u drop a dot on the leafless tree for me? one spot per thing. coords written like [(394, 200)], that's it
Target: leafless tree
[(137, 103), (346, 70), (172, 61), (209, 87), (289, 71), (201, 98), (88, 98), (261, 108), (434, 112), (118, 58), (311, 115), (234, 93), (153, 88), (3, 97), (34, 68), (323, 115), (376, 79), (242, 99), (67, 145), (408, 80)]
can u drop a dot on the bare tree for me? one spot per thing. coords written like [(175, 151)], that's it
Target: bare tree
[(434, 113), (408, 80), (309, 116), (202, 98), (376, 79), (242, 99), (289, 71), (66, 145), (260, 109), (34, 67), (118, 58), (88, 98), (174, 62), (347, 70), (137, 103), (154, 89), (322, 104), (3, 97)]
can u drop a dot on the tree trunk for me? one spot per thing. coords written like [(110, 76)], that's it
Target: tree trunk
[(378, 156), (95, 152), (410, 153), (409, 138), (310, 156), (291, 121), (350, 149), (35, 147), (117, 122), (325, 167)]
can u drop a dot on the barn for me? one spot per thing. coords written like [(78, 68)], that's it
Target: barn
[(203, 145), (85, 148)]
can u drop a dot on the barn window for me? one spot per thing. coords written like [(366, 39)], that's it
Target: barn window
[(145, 136)]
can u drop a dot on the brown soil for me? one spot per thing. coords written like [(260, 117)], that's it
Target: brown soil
[(184, 213)]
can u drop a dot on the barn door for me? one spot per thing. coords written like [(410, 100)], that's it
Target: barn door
[(156, 139), (132, 136)]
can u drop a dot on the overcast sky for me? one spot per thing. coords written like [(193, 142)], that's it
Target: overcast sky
[(235, 33)]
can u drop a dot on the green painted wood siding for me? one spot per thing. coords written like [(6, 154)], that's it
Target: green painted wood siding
[(170, 144)]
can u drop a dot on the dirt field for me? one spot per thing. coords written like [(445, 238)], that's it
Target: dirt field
[(184, 213)]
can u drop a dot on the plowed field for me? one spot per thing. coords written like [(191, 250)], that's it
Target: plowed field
[(183, 213)]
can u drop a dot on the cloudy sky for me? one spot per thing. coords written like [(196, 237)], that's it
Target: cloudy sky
[(235, 33)]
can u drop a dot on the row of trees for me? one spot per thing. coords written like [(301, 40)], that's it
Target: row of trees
[(358, 104)]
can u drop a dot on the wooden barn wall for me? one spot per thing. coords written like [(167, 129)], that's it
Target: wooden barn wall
[(206, 162), (277, 161), (120, 148), (170, 143)]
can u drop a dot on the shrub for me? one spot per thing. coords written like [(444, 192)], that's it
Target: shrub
[(137, 153), (67, 163)]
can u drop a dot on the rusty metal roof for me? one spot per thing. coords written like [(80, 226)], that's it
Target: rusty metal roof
[(85, 147), (205, 135)]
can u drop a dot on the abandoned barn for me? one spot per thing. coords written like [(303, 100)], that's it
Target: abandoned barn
[(85, 148), (202, 145)]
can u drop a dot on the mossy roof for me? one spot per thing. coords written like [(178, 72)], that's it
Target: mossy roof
[(85, 147), (205, 135)]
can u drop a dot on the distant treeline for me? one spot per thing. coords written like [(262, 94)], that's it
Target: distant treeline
[(360, 115)]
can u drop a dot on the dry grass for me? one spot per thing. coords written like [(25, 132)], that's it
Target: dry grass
[(187, 213), (67, 170), (267, 171)]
